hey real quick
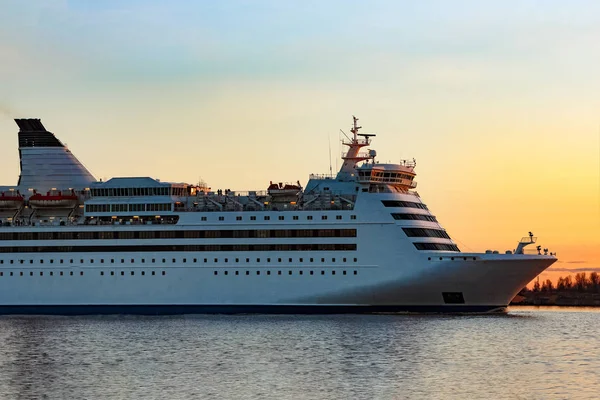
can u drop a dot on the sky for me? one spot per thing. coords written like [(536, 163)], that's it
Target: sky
[(498, 101)]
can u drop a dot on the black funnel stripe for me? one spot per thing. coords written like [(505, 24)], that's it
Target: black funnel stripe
[(33, 134)]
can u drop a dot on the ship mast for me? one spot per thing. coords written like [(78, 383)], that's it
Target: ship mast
[(353, 156)]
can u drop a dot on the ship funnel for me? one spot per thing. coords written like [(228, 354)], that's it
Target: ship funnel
[(45, 162)]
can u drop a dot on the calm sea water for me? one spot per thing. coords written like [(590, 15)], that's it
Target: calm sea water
[(531, 353)]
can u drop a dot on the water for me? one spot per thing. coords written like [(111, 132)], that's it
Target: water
[(531, 353)]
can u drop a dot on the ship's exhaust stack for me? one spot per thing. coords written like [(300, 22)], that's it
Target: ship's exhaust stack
[(45, 162)]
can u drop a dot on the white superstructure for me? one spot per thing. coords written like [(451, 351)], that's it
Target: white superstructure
[(361, 241)]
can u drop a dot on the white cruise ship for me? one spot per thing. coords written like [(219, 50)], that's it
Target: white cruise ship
[(361, 241)]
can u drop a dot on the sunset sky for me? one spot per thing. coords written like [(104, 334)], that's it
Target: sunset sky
[(499, 101)]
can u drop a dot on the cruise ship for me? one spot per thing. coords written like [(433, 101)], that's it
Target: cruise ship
[(359, 241)]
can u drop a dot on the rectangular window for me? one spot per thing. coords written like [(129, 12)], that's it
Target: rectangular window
[(398, 203), (436, 246), (424, 232), (414, 217)]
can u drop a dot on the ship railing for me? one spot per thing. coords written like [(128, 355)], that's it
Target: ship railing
[(322, 176), (362, 142), (362, 155)]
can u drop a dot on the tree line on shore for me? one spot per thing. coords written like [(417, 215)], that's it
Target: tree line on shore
[(582, 282)]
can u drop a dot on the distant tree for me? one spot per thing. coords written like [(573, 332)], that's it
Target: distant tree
[(581, 281), (568, 282), (594, 281), (560, 284), (547, 286), (536, 285)]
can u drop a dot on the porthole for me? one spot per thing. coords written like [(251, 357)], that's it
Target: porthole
[(221, 218), (122, 273), (247, 260), (299, 260), (312, 272), (81, 273), (101, 273), (1, 273), (195, 260), (237, 260), (332, 272), (132, 260), (91, 261), (344, 273), (247, 272), (102, 261), (51, 273), (112, 273), (299, 272), (206, 260), (132, 273), (216, 273), (61, 261), (322, 272), (226, 260), (279, 260), (429, 258), (11, 274), (338, 217), (257, 272), (333, 260), (71, 261), (70, 273), (268, 260), (153, 273), (253, 218), (268, 272), (440, 258), (289, 272), (164, 273), (164, 260), (355, 272), (21, 273), (322, 260), (237, 272), (60, 273), (21, 261), (278, 272), (258, 260), (112, 260), (281, 217), (143, 273), (202, 218), (173, 261), (143, 260), (289, 260), (226, 272), (238, 218), (452, 258), (31, 262), (267, 218), (323, 216), (31, 273), (295, 218), (81, 261), (309, 217), (311, 260), (344, 259), (123, 261)]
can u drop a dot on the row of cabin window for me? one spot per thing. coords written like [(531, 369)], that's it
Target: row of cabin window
[(180, 248), (425, 232), (183, 260), (60, 273), (300, 272), (400, 203), (179, 234), (414, 217), (436, 246), (279, 217), (90, 208), (381, 174), (129, 192)]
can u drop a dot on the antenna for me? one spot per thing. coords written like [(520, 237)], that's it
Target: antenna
[(329, 140)]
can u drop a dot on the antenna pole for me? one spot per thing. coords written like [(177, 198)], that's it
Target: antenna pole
[(329, 140)]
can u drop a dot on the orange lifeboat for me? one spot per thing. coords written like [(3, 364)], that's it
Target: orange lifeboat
[(11, 200), (53, 199)]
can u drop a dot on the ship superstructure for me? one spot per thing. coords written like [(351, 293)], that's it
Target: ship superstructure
[(360, 241)]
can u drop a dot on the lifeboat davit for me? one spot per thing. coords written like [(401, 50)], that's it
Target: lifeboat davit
[(11, 200), (53, 199)]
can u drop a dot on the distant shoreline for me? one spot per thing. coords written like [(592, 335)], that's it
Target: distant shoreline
[(557, 298)]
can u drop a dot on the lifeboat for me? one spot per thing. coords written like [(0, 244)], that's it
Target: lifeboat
[(281, 189), (11, 200), (53, 199)]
